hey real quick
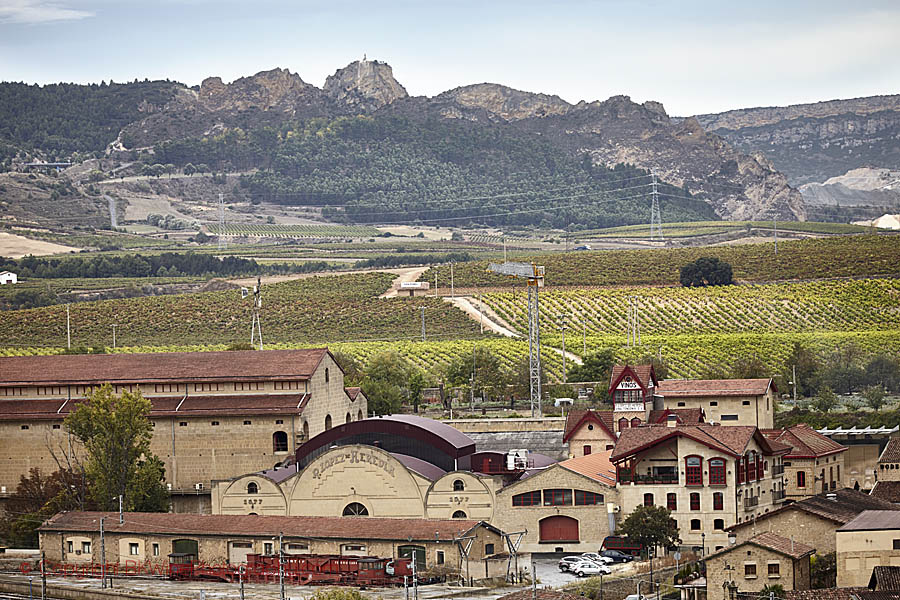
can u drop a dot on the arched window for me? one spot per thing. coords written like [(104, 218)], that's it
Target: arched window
[(623, 423), (718, 501), (359, 415), (648, 499), (327, 422), (695, 501), (459, 515), (801, 479), (719, 524), (458, 485), (635, 422), (716, 471), (326, 375), (672, 501), (305, 430), (693, 470), (348, 418), (252, 488), (279, 441), (355, 509)]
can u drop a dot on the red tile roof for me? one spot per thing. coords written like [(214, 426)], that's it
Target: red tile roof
[(840, 506), (595, 465), (171, 406), (365, 528), (577, 417), (353, 392), (730, 440), (823, 594), (885, 578), (891, 452), (541, 594), (245, 365), (773, 542), (888, 491), (805, 442), (685, 416), (685, 388), (644, 374)]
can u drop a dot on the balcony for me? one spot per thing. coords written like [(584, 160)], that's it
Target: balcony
[(778, 495), (751, 502), (658, 479), (777, 470)]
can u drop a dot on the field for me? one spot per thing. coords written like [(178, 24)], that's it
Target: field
[(844, 256), (296, 231), (700, 228), (313, 310)]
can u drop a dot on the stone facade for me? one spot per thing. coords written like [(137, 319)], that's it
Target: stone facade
[(860, 552), (816, 475), (749, 567), (812, 529)]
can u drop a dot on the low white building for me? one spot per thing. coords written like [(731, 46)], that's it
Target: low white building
[(8, 277)]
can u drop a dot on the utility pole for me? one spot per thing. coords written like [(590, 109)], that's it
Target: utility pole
[(452, 292), (102, 555), (114, 334), (121, 515), (422, 308), (481, 313), (68, 329), (281, 562), (221, 236), (775, 228), (655, 215), (504, 248), (794, 372), (562, 328), (241, 579)]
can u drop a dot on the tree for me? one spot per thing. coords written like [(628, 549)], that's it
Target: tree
[(116, 433), (651, 526), (874, 395), (823, 570), (190, 169), (416, 384), (29, 506), (825, 401), (706, 270), (884, 370), (807, 366), (353, 371), (483, 364), (772, 591), (386, 382), (749, 367), (595, 366)]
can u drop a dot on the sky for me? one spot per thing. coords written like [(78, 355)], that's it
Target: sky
[(693, 56)]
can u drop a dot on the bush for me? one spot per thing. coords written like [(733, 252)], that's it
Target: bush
[(706, 271)]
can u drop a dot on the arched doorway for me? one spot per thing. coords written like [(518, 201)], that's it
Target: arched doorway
[(559, 528)]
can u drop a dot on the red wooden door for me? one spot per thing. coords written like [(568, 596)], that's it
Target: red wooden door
[(559, 528)]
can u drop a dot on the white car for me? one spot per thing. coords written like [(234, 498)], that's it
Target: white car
[(600, 560), (588, 568), (566, 563)]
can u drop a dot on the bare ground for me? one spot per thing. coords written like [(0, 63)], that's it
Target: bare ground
[(16, 246)]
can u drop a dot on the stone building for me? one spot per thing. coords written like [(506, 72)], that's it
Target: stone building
[(215, 414), (887, 486), (815, 463), (814, 519), (144, 540), (748, 566), (709, 476), (870, 540), (724, 401)]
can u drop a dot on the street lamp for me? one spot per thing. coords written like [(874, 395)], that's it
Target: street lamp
[(703, 544)]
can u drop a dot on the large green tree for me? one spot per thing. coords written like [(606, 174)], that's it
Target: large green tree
[(706, 270), (116, 433), (480, 370), (388, 381), (651, 526), (596, 366)]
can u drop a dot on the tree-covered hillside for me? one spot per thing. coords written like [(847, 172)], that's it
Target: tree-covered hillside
[(387, 168)]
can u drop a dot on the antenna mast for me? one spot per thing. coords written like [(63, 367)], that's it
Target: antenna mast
[(656, 234), (255, 325), (222, 242)]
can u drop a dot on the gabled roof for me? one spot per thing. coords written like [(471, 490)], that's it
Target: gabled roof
[(580, 417), (687, 388), (774, 542), (848, 593), (889, 491), (91, 369), (367, 528), (683, 416), (840, 506), (891, 452), (595, 465), (805, 442), (644, 375), (885, 579), (874, 520), (541, 594), (729, 440), (354, 392)]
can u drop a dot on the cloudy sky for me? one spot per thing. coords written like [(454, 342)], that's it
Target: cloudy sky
[(694, 56)]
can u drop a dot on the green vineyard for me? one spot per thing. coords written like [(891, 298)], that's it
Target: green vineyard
[(699, 228), (267, 230)]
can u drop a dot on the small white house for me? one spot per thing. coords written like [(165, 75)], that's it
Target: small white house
[(8, 277)]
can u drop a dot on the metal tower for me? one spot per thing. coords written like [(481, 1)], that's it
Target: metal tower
[(221, 236), (534, 276), (255, 325), (655, 216)]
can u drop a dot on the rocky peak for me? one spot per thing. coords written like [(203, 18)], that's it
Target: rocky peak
[(366, 84), (267, 90), (506, 102)]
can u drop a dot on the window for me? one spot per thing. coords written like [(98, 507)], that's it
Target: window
[(719, 524), (718, 501), (252, 488), (279, 441), (672, 501), (586, 450), (12, 391), (161, 388), (459, 514), (716, 471), (527, 499), (359, 415), (695, 501), (248, 386), (439, 557), (70, 546), (214, 424), (839, 472), (348, 418), (488, 549), (326, 375), (801, 479), (714, 403), (750, 570), (896, 544), (287, 385), (693, 470), (56, 391), (207, 387), (623, 423), (297, 547), (745, 403), (80, 390), (360, 548), (680, 404), (327, 422), (583, 498), (729, 417), (355, 509), (648, 499), (557, 497), (133, 549), (695, 524), (774, 569), (635, 422), (458, 485), (248, 422), (268, 548), (182, 423), (24, 426), (85, 547), (56, 426), (155, 549)]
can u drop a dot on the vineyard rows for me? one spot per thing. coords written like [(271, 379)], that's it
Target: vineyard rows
[(811, 306), (698, 228), (295, 231)]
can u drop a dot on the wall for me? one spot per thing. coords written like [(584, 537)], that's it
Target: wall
[(832, 467), (758, 410), (507, 425), (793, 574), (812, 530), (858, 552), (592, 435)]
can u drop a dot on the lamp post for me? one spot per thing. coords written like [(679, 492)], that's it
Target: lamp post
[(703, 544)]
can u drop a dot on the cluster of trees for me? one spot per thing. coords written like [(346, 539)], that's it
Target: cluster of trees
[(60, 119), (846, 370), (388, 167), (398, 260), (706, 270), (131, 265), (115, 432), (167, 222)]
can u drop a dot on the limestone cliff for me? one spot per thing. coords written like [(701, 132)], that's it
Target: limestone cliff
[(364, 84), (506, 102)]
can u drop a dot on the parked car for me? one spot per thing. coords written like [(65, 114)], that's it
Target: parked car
[(587, 568), (617, 556), (635, 597), (597, 558), (566, 562)]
